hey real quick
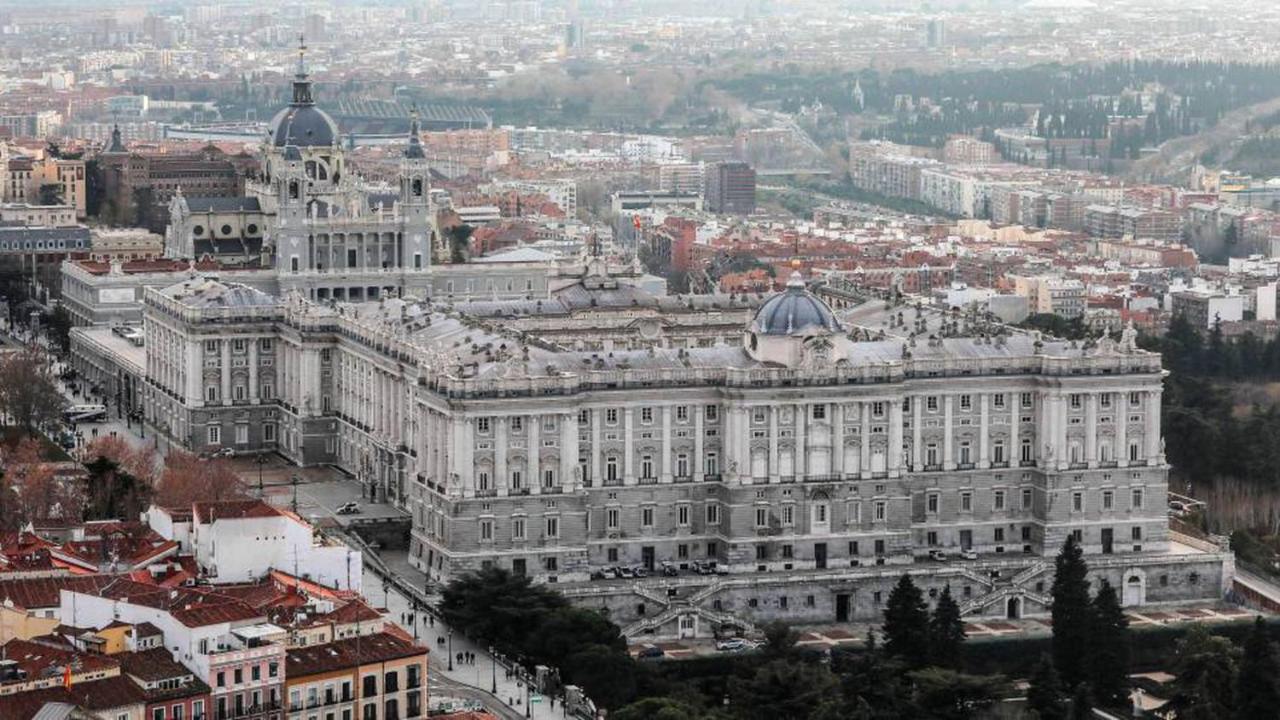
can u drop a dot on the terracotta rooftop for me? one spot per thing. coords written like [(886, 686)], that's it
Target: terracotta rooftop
[(349, 653), (207, 512), (42, 660), (32, 593), (95, 695)]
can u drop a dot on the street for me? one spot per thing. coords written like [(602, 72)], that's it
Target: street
[(475, 680)]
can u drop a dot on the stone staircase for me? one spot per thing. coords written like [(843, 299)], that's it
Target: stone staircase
[(675, 610), (1013, 587)]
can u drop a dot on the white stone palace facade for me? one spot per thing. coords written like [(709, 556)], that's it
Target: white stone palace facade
[(812, 469)]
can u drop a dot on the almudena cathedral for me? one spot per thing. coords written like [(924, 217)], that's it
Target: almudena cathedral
[(781, 458)]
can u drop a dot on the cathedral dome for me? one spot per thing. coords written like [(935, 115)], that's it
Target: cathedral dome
[(303, 126), (794, 311)]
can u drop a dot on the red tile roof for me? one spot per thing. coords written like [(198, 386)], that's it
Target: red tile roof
[(95, 695), (349, 653), (33, 593), (207, 512)]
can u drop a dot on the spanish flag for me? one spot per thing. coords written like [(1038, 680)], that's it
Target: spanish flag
[(66, 676)]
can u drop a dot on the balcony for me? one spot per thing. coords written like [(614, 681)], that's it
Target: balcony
[(826, 477), (487, 493), (647, 481), (932, 467), (683, 478), (964, 466), (1027, 463), (711, 477)]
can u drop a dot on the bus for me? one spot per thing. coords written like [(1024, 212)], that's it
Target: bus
[(85, 413)]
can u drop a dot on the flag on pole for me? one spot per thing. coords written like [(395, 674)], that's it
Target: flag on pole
[(66, 676)]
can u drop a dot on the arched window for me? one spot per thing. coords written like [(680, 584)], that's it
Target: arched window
[(417, 187)]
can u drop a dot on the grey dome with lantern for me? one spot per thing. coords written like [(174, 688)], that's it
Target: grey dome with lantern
[(794, 311), (302, 124)]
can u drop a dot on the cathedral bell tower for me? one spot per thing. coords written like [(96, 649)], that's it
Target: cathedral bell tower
[(415, 202)]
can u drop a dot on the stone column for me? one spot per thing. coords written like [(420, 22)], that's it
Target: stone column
[(948, 436), (568, 450), (984, 431), (1015, 441), (628, 448), (917, 452), (1151, 430), (1091, 429), (535, 453), (597, 452), (802, 449), (1060, 434), (226, 372), (895, 437), (666, 453), (837, 438), (1122, 430), (773, 444), (500, 478), (864, 457), (699, 462), (253, 370)]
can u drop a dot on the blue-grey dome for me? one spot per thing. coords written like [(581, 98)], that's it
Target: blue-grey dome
[(794, 311), (303, 126)]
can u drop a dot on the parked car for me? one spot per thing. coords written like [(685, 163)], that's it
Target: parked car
[(650, 652), (225, 452), (969, 554), (938, 555), (668, 569), (626, 573), (736, 644), (349, 508), (639, 572)]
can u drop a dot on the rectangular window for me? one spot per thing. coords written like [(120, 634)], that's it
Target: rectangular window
[(997, 500), (1027, 400), (553, 527), (517, 529), (1027, 496), (787, 552), (713, 412), (931, 403), (999, 535), (1137, 499), (612, 518), (682, 413), (214, 434), (611, 416), (880, 510), (713, 514), (819, 412), (646, 415), (682, 514), (1136, 534), (646, 517), (762, 517), (1077, 502), (931, 503), (1108, 499), (997, 400), (1077, 400), (482, 425), (788, 515), (486, 531), (966, 402), (517, 424)]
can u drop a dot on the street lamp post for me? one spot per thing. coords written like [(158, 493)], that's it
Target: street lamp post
[(527, 696), (450, 649), (494, 657)]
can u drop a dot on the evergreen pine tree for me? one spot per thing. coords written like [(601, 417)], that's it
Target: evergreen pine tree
[(1082, 703), (946, 632), (1045, 695), (1258, 682), (906, 624), (1070, 613), (1109, 659)]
